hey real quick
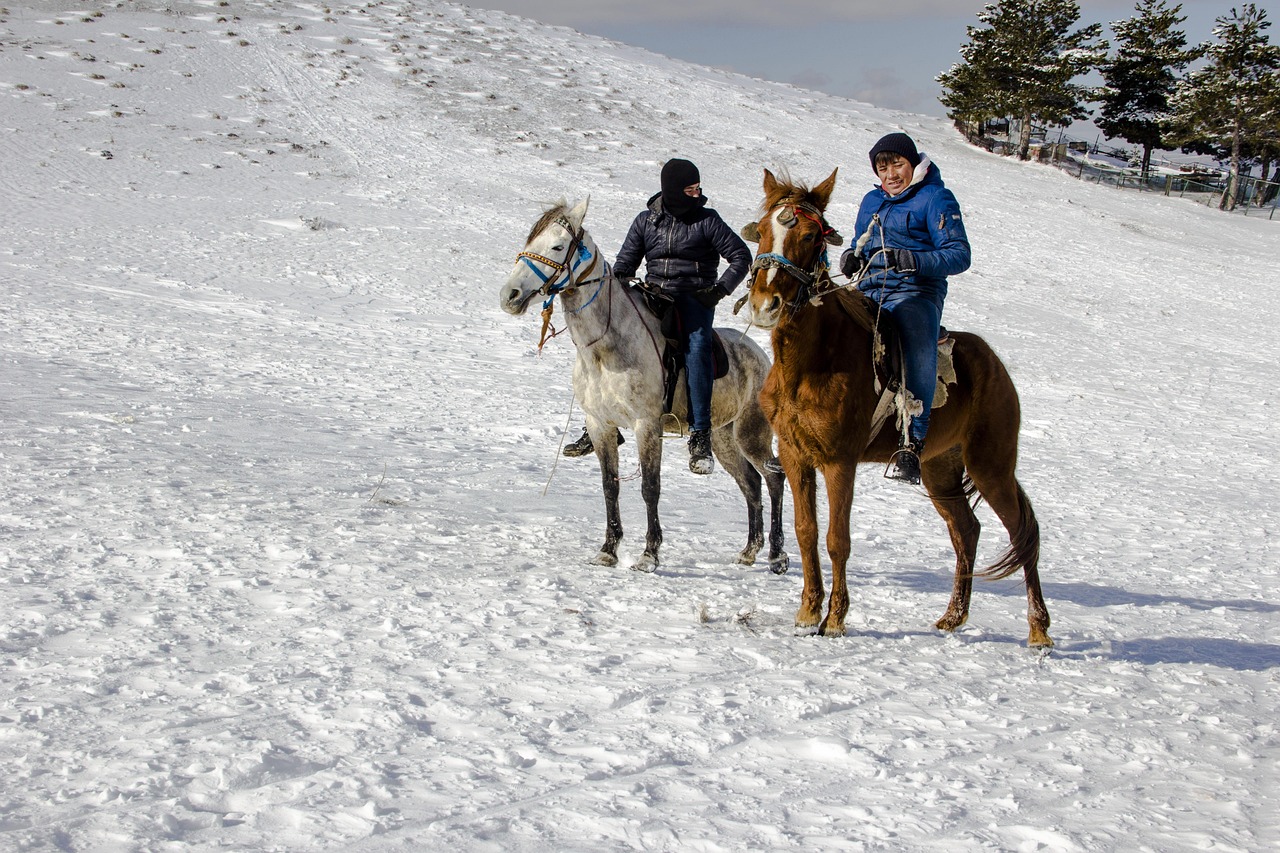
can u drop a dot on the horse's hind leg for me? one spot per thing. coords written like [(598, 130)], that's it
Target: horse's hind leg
[(1002, 492), (943, 477), (754, 437), (726, 449), (776, 481)]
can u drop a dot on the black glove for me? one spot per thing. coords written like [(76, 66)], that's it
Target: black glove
[(900, 259), (851, 263), (710, 296)]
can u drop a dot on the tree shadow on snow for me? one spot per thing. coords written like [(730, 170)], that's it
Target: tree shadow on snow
[(1210, 651)]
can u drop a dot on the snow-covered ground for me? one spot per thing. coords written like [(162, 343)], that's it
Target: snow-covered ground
[(277, 567)]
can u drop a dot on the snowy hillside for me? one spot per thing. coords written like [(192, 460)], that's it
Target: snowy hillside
[(277, 569)]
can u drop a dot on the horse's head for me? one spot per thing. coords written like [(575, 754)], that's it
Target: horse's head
[(555, 248), (793, 236)]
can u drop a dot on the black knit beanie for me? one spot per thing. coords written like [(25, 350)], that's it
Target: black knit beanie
[(896, 143), (676, 175)]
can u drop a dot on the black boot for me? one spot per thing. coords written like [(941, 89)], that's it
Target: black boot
[(700, 461), (583, 445), (904, 465)]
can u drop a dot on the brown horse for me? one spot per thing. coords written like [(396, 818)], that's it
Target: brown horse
[(821, 398)]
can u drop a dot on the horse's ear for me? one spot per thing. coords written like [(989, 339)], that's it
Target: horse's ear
[(751, 232), (770, 183), (822, 192), (579, 213)]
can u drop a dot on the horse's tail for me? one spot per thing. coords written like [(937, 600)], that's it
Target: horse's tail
[(1024, 544)]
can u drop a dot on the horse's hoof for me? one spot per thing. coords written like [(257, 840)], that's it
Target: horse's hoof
[(779, 565), (747, 558), (604, 558), (645, 564), (833, 630), (1041, 643), (805, 631)]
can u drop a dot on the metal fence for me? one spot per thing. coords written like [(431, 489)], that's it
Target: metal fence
[(1254, 196)]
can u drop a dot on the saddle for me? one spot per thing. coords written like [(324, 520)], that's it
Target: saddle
[(889, 363), (673, 361)]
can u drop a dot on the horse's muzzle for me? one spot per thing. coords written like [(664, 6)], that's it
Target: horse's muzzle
[(765, 310), (515, 300)]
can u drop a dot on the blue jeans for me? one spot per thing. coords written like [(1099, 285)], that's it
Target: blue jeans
[(918, 320), (695, 327)]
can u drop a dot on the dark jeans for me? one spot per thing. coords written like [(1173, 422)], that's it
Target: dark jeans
[(695, 325), (918, 320)]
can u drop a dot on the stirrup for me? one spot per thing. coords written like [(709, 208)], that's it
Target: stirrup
[(904, 465)]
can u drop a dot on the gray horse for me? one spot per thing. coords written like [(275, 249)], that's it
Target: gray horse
[(619, 381)]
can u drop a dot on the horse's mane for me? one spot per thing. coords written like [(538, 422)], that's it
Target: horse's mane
[(550, 215), (786, 191)]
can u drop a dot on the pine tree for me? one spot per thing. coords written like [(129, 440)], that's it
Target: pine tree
[(1140, 79), (1230, 104), (1021, 65), (1266, 143)]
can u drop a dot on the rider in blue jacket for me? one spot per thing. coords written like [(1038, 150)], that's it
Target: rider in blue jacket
[(916, 240)]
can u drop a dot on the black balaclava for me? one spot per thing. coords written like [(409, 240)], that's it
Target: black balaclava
[(676, 175)]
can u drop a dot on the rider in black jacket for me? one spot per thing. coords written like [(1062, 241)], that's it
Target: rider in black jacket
[(681, 242)]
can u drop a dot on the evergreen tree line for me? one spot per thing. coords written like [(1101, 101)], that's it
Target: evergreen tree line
[(1022, 63)]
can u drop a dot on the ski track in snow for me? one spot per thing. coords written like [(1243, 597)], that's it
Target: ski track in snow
[(277, 568)]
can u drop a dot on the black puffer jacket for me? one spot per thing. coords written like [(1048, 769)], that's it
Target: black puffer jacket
[(682, 255)]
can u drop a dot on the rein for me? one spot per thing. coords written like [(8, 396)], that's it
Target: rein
[(547, 307)]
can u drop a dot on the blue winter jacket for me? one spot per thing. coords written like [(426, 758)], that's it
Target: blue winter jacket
[(924, 218), (682, 255)]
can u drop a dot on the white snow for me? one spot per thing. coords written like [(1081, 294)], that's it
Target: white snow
[(277, 569)]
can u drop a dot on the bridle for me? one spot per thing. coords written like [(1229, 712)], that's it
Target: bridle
[(814, 281), (575, 256)]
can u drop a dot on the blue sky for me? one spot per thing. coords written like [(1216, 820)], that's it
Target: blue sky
[(886, 54)]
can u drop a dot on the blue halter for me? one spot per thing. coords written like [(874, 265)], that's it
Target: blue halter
[(773, 260)]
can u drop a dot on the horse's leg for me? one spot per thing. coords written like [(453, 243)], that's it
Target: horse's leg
[(804, 496), (1024, 537), (604, 440), (755, 440), (943, 477), (779, 562), (725, 446), (839, 478), (998, 485), (649, 442)]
